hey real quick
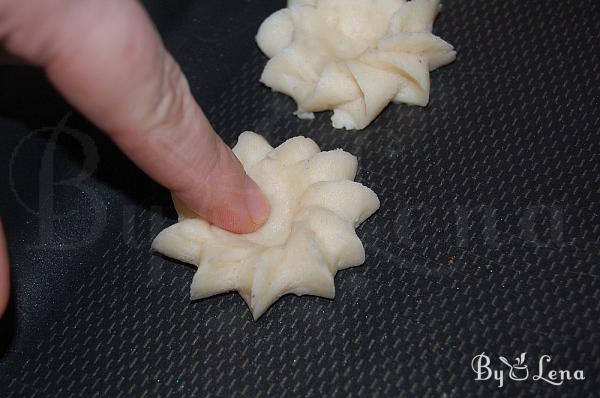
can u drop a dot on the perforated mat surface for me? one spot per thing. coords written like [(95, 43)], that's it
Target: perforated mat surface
[(487, 240)]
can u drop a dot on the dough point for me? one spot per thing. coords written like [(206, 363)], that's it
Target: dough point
[(352, 56), (309, 236)]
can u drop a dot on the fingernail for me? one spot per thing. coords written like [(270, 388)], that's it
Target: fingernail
[(256, 202)]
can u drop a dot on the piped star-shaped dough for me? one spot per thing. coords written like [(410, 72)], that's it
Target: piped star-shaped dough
[(309, 236), (352, 56)]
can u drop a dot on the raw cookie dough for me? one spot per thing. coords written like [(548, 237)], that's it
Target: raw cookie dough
[(352, 56), (309, 236)]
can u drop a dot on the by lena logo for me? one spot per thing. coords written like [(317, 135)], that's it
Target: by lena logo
[(518, 371)]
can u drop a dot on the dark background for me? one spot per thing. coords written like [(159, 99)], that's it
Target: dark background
[(487, 239)]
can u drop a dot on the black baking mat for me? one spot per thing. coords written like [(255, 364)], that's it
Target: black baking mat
[(487, 239)]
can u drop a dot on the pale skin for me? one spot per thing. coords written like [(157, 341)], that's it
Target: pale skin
[(107, 59)]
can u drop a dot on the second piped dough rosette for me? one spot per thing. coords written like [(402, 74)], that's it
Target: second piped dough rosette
[(352, 56)]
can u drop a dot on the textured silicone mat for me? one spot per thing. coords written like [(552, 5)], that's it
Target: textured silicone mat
[(487, 239)]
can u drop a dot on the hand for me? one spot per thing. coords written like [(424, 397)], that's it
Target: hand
[(107, 59)]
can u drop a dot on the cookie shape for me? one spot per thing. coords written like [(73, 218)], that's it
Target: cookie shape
[(352, 56), (309, 236)]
